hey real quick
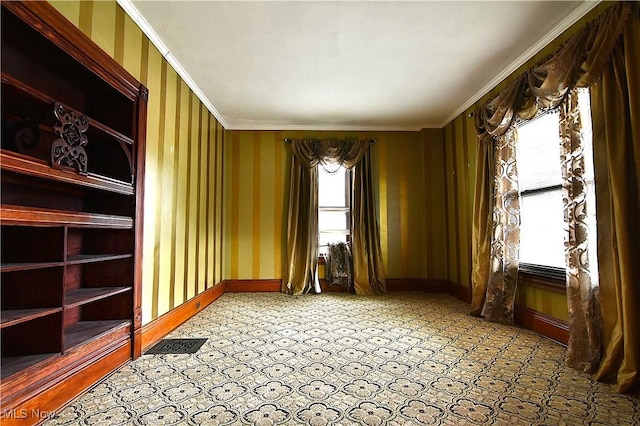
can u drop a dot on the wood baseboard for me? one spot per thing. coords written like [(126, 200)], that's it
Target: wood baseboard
[(239, 286), (326, 288), (459, 291), (405, 284), (158, 328), (418, 284), (437, 286), (541, 323)]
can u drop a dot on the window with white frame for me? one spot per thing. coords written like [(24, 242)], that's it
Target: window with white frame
[(542, 227), (334, 205)]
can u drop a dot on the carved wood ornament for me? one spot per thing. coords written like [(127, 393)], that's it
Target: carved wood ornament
[(68, 149)]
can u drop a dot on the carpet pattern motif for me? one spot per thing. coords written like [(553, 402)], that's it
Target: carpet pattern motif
[(340, 359)]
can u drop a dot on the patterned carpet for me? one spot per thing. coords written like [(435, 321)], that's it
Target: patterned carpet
[(339, 359)]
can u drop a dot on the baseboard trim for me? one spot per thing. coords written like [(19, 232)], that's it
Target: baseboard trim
[(240, 286), (437, 286), (325, 287), (421, 284), (459, 291), (405, 284), (543, 324), (158, 328)]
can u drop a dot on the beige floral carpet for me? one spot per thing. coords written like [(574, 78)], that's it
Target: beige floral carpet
[(340, 359)]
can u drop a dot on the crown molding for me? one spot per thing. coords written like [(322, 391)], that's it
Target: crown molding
[(323, 127), (562, 26), (142, 23)]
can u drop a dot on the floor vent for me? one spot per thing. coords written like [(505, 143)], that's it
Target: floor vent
[(176, 346)]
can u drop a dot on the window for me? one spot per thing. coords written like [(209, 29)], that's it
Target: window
[(334, 205), (542, 227), (540, 183)]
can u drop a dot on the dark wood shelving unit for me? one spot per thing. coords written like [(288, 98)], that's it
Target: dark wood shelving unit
[(81, 296), (85, 331), (15, 364), (16, 316), (22, 215), (17, 163), (36, 95), (91, 258), (71, 169), (27, 266)]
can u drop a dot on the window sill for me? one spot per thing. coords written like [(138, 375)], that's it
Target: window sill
[(543, 278)]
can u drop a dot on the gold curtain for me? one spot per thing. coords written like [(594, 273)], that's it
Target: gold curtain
[(302, 231), (302, 237), (482, 214), (615, 104), (367, 254), (586, 60)]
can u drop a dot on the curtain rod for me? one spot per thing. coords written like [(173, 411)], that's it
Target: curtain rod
[(337, 140)]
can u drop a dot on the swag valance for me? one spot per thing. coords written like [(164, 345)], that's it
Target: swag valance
[(578, 63), (344, 152)]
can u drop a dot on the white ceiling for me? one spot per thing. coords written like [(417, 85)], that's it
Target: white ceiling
[(350, 65)]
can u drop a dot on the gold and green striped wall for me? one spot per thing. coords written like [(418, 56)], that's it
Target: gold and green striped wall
[(183, 216), (257, 167), (424, 184)]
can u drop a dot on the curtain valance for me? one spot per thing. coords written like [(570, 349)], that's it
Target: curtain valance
[(345, 152), (578, 63)]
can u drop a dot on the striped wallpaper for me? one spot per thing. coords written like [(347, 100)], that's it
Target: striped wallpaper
[(203, 224), (182, 241), (257, 167)]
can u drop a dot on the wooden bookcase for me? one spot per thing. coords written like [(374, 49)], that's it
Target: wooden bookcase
[(72, 165)]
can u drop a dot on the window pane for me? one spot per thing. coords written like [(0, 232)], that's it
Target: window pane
[(331, 237), (538, 153), (333, 213), (331, 187), (332, 220), (542, 229)]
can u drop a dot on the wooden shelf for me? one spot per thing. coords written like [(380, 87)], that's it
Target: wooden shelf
[(19, 163), (13, 364), (34, 93), (34, 216), (92, 258), (11, 317), (85, 331), (82, 296), (28, 266)]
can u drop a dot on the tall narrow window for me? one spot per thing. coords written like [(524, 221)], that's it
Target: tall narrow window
[(541, 208), (334, 205), (542, 227)]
